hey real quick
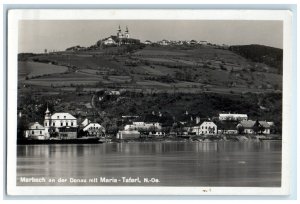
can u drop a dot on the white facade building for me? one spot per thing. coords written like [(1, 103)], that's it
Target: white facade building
[(94, 129), (142, 125), (128, 134), (233, 116), (52, 123), (35, 131), (206, 128), (109, 41)]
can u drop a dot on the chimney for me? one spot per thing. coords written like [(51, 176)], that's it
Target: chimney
[(153, 113), (159, 114), (197, 120), (186, 112)]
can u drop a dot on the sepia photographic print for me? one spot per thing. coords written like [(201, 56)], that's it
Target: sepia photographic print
[(148, 102)]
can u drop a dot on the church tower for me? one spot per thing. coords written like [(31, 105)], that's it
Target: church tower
[(47, 123), (127, 32), (119, 33)]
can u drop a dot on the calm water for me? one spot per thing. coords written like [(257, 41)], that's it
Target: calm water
[(170, 163)]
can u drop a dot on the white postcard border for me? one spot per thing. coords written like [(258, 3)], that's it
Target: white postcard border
[(156, 14)]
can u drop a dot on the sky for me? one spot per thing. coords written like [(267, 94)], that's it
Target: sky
[(37, 35)]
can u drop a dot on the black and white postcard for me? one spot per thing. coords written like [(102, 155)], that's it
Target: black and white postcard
[(148, 102)]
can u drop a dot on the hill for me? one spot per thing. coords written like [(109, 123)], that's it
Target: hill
[(260, 53), (186, 69), (204, 80)]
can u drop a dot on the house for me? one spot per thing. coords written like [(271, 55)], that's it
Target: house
[(140, 125), (249, 126), (203, 42), (128, 134), (227, 127), (57, 122), (233, 116), (266, 127), (35, 131), (109, 41), (94, 129), (147, 42), (164, 42), (193, 42), (206, 128)]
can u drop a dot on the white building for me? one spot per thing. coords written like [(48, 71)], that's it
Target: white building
[(35, 131), (109, 41), (164, 42), (60, 122), (206, 128), (233, 116), (85, 122), (142, 126), (147, 42), (128, 134), (94, 129)]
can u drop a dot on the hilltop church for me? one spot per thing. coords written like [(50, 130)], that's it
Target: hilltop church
[(119, 39)]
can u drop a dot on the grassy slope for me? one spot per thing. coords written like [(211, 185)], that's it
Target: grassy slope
[(215, 69), (142, 71)]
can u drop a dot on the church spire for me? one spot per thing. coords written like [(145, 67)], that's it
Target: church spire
[(47, 111)]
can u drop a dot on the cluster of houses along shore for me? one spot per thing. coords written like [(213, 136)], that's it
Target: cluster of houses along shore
[(66, 126)]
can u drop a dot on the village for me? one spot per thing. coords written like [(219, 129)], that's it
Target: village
[(64, 126)]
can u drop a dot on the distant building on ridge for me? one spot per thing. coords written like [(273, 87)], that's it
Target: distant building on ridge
[(119, 39)]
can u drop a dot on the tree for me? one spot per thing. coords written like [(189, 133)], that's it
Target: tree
[(258, 128), (21, 127), (240, 129)]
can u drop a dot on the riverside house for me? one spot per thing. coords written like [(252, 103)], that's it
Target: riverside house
[(35, 131), (249, 126), (94, 129), (206, 128)]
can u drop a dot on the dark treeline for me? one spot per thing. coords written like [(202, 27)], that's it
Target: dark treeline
[(259, 53)]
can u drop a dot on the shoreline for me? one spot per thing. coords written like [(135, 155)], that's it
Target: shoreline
[(207, 138)]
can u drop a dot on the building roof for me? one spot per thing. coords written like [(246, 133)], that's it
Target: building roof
[(265, 124), (232, 115), (93, 125), (207, 122), (34, 124), (65, 116), (227, 125), (247, 123), (251, 123)]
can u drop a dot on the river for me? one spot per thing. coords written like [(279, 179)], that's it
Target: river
[(220, 164)]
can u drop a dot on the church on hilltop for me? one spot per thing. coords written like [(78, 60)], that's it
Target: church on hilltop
[(119, 39)]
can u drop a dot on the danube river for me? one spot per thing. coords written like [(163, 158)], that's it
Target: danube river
[(226, 163)]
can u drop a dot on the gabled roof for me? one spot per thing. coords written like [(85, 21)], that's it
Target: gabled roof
[(251, 123), (265, 124), (247, 123), (65, 116), (207, 122), (34, 124), (227, 125)]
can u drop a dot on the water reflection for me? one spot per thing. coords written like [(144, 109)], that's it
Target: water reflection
[(174, 163)]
